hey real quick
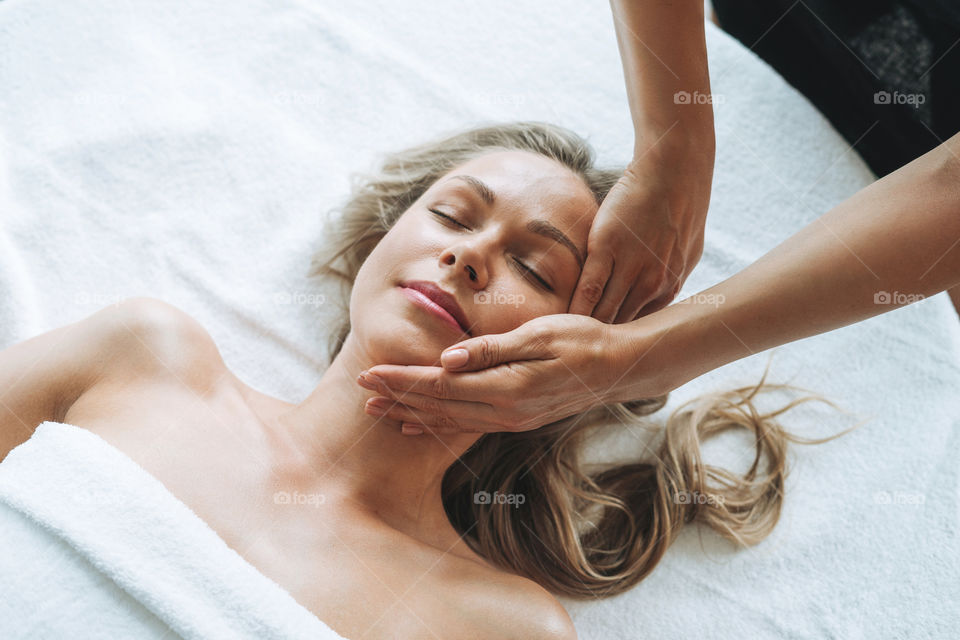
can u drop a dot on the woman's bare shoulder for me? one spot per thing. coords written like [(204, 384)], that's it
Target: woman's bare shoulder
[(152, 352), (151, 336), (168, 333), (505, 605), (135, 341)]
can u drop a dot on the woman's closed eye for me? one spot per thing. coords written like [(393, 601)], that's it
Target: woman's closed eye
[(525, 271), (450, 218)]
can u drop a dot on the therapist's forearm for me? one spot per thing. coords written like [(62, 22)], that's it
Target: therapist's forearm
[(664, 57), (894, 242)]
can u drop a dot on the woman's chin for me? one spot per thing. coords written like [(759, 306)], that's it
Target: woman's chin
[(408, 348)]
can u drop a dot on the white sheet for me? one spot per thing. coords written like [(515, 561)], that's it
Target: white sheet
[(189, 152)]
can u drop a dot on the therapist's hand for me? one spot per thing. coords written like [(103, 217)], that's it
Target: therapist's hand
[(647, 235), (548, 368)]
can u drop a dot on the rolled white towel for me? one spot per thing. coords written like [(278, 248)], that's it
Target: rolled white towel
[(94, 546)]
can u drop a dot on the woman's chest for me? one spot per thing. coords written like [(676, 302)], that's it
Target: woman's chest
[(202, 447), (211, 454)]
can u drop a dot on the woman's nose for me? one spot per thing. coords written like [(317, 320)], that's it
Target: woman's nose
[(468, 263)]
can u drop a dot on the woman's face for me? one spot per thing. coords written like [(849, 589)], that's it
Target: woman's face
[(506, 258)]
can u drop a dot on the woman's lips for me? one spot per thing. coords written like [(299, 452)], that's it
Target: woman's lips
[(419, 299)]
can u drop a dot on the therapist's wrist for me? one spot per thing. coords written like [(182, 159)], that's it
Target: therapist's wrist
[(691, 142), (666, 349)]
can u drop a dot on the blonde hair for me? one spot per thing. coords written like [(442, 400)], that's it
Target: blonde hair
[(579, 534)]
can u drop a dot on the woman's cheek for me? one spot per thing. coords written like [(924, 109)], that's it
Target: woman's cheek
[(513, 310)]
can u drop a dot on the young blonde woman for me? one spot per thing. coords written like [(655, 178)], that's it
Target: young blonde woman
[(456, 536)]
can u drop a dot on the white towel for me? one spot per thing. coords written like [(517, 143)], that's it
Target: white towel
[(96, 547), (188, 150)]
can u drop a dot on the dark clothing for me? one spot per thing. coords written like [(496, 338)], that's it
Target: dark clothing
[(886, 73)]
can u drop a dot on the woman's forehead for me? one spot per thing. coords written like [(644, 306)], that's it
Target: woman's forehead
[(518, 171), (523, 181)]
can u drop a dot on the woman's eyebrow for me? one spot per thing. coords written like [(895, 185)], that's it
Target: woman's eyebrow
[(538, 226), (546, 229), (485, 192)]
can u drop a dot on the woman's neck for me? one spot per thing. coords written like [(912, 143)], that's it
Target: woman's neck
[(347, 455)]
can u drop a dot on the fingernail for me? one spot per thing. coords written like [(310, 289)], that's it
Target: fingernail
[(409, 430), (376, 407), (369, 380), (455, 358)]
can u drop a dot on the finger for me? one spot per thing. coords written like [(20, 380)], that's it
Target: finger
[(613, 296), (473, 386), (641, 296), (492, 349), (458, 411), (433, 423), (591, 284)]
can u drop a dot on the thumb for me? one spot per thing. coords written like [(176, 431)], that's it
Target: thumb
[(490, 350), (593, 279)]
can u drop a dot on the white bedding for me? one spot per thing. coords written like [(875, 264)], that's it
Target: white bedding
[(190, 151)]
